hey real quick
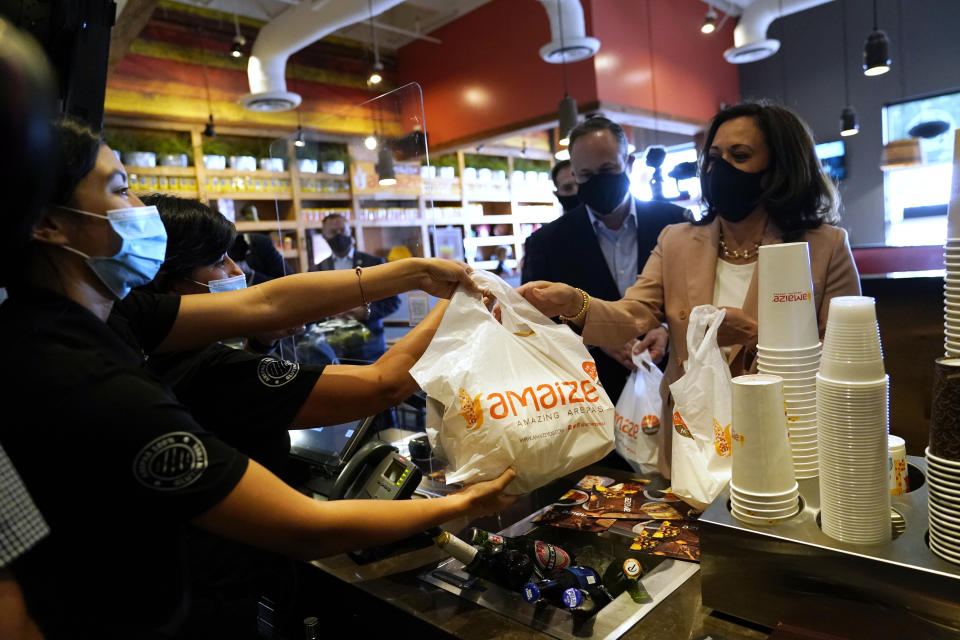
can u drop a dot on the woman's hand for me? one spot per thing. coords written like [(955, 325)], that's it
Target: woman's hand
[(487, 497), (440, 277), (737, 328), (552, 298), (655, 342)]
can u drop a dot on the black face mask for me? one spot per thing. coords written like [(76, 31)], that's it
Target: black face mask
[(604, 191), (568, 203), (340, 243), (732, 192)]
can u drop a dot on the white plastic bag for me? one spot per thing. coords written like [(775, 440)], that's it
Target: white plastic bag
[(637, 418), (701, 458), (521, 394)]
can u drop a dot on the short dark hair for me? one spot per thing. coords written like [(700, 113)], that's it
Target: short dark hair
[(797, 194), (557, 168), (197, 236), (79, 146), (600, 123), (331, 216)]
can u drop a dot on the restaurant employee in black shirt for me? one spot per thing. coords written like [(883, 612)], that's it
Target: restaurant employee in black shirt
[(248, 399), (113, 461)]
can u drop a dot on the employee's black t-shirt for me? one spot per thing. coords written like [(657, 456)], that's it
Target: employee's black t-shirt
[(248, 400), (113, 461)]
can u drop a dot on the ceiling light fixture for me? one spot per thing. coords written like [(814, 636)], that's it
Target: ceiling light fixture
[(238, 40), (376, 76), (567, 109), (563, 154), (370, 142), (848, 117), (709, 21), (209, 131), (876, 51), (848, 122), (385, 167), (299, 141)]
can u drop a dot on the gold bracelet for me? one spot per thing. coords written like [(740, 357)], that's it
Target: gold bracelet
[(584, 307), (363, 298)]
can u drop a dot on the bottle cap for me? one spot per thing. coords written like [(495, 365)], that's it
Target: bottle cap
[(531, 593), (572, 598), (632, 568)]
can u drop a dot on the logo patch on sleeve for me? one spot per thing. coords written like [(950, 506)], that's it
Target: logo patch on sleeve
[(276, 373), (171, 462)]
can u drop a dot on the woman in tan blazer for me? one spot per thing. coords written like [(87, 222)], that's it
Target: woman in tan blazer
[(763, 184)]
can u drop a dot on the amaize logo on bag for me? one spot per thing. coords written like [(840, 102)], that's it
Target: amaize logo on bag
[(649, 424), (577, 396), (721, 439), (470, 409), (680, 426)]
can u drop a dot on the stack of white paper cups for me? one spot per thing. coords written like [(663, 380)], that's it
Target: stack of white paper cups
[(852, 416), (951, 283), (943, 461), (763, 489), (789, 343)]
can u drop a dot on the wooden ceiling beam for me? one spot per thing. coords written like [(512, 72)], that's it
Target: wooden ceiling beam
[(131, 21)]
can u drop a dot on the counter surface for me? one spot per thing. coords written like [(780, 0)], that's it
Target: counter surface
[(394, 581)]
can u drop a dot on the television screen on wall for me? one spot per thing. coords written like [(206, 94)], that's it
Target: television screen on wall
[(831, 156)]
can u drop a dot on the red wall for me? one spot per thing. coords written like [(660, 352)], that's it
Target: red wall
[(690, 75), (487, 74)]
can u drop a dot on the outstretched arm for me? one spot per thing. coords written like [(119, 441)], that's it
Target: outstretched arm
[(344, 392), (264, 512), (304, 297)]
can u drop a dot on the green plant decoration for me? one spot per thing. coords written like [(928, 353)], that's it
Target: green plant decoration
[(494, 163), (526, 164)]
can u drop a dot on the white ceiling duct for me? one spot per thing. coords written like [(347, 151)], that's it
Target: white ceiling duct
[(570, 43), (292, 30), (750, 35)]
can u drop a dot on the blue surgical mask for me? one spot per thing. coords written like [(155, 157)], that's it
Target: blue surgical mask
[(225, 284), (141, 255)]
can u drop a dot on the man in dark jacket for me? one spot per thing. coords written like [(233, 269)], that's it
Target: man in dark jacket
[(336, 231), (601, 245)]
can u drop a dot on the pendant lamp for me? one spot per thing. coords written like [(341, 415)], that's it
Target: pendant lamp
[(385, 167), (876, 51)]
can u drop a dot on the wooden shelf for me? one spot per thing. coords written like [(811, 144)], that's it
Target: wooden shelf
[(392, 223), (344, 177), (309, 196), (188, 172), (488, 241), (234, 173), (247, 195), (491, 219), (267, 225)]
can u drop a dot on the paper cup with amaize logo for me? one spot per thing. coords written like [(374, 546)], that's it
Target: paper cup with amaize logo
[(787, 318)]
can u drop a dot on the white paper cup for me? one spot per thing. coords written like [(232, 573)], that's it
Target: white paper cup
[(761, 451), (786, 314), (899, 479), (743, 517), (753, 502)]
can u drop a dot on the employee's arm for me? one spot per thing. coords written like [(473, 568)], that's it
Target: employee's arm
[(264, 512), (301, 298), (344, 392), (15, 622)]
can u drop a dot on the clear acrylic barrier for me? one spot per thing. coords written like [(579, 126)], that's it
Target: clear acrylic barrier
[(364, 163)]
